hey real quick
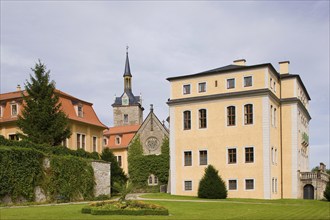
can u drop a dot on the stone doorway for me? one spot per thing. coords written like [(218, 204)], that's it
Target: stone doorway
[(308, 191)]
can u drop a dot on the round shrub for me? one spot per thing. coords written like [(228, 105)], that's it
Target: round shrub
[(211, 185)]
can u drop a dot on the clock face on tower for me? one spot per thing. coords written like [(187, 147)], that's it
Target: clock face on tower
[(152, 143), (124, 99)]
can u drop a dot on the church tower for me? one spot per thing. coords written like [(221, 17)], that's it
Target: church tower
[(127, 109)]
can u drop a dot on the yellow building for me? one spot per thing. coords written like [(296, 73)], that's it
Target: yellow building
[(86, 128), (250, 122)]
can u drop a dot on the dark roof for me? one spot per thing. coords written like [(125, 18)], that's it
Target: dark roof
[(133, 100), (225, 69), (288, 76), (127, 71)]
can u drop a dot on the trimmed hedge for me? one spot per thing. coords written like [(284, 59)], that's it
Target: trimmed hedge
[(21, 172), (95, 211), (49, 150)]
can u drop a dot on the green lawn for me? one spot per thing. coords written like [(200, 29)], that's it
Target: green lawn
[(223, 209)]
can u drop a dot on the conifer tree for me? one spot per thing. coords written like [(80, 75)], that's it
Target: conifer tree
[(211, 185), (117, 173), (42, 121)]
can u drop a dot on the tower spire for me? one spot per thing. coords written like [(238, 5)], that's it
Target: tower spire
[(127, 68)]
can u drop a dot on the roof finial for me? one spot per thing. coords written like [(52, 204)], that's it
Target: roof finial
[(127, 71), (151, 107), (127, 48)]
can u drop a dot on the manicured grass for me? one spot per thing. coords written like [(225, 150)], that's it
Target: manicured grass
[(222, 209)]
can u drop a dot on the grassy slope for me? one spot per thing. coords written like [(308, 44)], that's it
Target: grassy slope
[(296, 209)]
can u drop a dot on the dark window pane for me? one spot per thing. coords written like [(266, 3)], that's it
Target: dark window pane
[(187, 158)]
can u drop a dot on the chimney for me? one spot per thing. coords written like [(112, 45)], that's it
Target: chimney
[(240, 62), (322, 167), (18, 88), (284, 67)]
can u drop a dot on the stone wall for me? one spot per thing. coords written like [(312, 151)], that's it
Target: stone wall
[(135, 115), (102, 175)]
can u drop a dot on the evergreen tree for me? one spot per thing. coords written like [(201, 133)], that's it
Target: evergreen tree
[(327, 191), (211, 185), (42, 121), (117, 173)]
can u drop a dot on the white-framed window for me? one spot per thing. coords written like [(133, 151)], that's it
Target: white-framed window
[(14, 109), (94, 144), (187, 120), (105, 141), (80, 111), (249, 154), (202, 118), (202, 87), (152, 180), (81, 141), (271, 114), (275, 185), (232, 184), (231, 116), (1, 111), (203, 157), (248, 81), (186, 89), (232, 156), (274, 85), (118, 140), (249, 184), (272, 155), (125, 118), (13, 137), (275, 156), (248, 114), (65, 142), (187, 185), (187, 160), (275, 117), (231, 83), (119, 160)]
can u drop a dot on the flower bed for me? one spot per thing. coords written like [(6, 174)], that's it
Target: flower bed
[(124, 208)]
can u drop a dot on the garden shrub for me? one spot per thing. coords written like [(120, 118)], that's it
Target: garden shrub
[(141, 166), (211, 186)]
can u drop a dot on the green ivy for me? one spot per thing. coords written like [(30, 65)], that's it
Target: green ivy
[(20, 172), (141, 166), (70, 177)]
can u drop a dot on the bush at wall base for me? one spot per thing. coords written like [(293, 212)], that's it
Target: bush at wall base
[(128, 207)]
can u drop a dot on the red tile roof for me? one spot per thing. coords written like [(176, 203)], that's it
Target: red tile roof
[(89, 115), (126, 134)]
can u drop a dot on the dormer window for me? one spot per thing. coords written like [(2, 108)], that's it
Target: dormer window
[(80, 111), (118, 140), (14, 109)]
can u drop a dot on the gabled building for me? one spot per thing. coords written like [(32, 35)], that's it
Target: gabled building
[(129, 123), (250, 122), (85, 126)]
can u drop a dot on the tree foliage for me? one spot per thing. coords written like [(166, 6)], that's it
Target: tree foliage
[(117, 173), (211, 185), (141, 166), (327, 191), (42, 121)]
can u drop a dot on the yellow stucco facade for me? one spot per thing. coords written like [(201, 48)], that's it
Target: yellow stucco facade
[(264, 125)]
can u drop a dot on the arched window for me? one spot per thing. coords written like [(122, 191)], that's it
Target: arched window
[(186, 120), (202, 118), (231, 116), (248, 114), (152, 180)]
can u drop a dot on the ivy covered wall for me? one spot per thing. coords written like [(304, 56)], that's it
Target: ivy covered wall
[(141, 166)]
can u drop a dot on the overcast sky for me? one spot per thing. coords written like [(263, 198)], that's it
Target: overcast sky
[(83, 44)]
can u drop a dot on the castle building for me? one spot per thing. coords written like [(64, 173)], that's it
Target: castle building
[(85, 126), (250, 122), (129, 123)]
